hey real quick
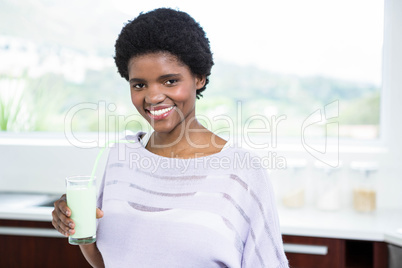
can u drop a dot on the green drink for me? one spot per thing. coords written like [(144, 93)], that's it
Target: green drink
[(81, 199)]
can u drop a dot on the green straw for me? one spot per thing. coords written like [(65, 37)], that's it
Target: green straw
[(98, 157)]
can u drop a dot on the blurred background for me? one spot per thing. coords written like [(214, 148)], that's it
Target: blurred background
[(277, 58), (312, 86)]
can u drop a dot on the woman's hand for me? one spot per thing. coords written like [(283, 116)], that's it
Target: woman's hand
[(61, 217)]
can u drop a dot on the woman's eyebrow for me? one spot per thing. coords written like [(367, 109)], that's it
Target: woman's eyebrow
[(162, 77), (165, 76), (136, 80)]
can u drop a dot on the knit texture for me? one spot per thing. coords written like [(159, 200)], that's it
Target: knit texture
[(213, 211)]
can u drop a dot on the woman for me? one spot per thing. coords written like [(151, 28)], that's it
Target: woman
[(180, 196)]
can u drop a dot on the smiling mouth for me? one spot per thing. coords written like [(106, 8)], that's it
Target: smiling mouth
[(160, 113)]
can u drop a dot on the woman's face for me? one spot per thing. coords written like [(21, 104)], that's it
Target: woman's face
[(163, 90)]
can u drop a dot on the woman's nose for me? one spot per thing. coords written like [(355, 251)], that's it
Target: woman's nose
[(154, 95)]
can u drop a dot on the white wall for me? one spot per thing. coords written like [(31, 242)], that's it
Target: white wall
[(391, 175), (43, 168)]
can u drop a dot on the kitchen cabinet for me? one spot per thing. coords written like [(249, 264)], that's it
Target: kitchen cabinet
[(35, 250), (311, 252), (358, 241)]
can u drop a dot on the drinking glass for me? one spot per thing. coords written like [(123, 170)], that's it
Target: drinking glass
[(81, 199)]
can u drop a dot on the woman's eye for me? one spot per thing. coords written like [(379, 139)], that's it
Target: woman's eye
[(171, 81), (138, 86)]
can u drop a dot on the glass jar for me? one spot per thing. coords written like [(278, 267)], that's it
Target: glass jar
[(364, 188), (293, 194), (327, 186)]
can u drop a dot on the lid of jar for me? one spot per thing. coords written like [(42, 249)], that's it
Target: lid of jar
[(364, 166)]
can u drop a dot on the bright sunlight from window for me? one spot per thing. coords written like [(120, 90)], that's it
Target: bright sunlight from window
[(276, 64)]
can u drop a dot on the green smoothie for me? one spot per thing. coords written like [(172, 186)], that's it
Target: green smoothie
[(82, 202)]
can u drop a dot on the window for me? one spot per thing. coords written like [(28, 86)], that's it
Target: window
[(277, 64)]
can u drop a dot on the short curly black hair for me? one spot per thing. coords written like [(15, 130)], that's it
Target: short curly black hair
[(165, 30)]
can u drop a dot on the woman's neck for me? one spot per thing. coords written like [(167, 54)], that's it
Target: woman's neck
[(189, 142)]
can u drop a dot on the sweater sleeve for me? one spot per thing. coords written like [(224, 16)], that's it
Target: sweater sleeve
[(263, 246)]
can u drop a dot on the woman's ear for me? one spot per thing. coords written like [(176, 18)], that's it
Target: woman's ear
[(200, 81)]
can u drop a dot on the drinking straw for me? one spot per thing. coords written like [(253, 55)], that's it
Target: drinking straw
[(98, 157)]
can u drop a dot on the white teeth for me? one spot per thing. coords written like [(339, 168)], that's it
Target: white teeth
[(161, 111)]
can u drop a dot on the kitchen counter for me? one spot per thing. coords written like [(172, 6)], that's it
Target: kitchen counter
[(43, 214), (27, 214), (381, 225), (27, 207)]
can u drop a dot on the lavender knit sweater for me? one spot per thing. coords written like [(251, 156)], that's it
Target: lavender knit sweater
[(213, 211)]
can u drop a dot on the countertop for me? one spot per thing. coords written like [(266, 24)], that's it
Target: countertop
[(380, 225), (27, 214)]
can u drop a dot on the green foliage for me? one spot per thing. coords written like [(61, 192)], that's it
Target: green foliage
[(28, 104), (293, 96), (11, 94), (41, 104), (362, 111)]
